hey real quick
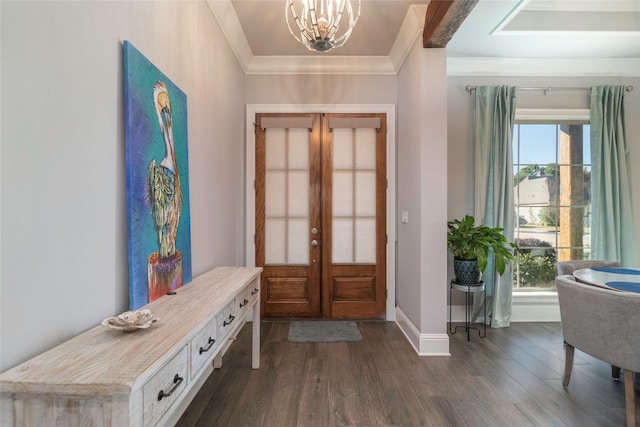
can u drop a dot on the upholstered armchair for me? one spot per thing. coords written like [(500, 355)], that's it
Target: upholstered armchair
[(605, 324), (568, 267)]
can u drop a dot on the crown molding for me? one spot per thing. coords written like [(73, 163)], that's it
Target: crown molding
[(230, 25), (412, 27), (319, 65), (618, 67)]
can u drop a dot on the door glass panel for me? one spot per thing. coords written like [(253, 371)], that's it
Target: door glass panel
[(342, 193), (365, 193), (298, 247), (274, 229), (276, 186), (275, 153), (287, 196), (365, 148), (365, 245), (354, 196), (298, 185), (342, 238)]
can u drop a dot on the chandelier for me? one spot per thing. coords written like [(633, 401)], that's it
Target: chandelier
[(317, 26)]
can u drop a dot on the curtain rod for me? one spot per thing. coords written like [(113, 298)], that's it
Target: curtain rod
[(471, 88)]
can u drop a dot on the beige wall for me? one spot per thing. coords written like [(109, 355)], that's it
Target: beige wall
[(64, 261)]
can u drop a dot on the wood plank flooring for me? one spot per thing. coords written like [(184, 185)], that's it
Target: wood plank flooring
[(513, 377)]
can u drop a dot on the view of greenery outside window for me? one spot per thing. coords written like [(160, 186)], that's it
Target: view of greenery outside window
[(552, 195)]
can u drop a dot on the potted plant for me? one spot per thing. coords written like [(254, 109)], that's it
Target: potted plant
[(471, 245)]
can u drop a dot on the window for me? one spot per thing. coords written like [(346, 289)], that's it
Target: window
[(552, 197)]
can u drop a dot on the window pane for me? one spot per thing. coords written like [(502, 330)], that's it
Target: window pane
[(552, 178), (538, 144)]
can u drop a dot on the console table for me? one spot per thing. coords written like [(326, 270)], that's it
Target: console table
[(106, 377)]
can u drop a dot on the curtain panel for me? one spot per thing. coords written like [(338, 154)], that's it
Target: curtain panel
[(612, 226), (495, 109)]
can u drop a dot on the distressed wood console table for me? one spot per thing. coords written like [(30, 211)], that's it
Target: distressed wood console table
[(106, 377)]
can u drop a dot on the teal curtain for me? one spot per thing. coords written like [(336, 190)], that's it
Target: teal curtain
[(493, 135), (612, 229)]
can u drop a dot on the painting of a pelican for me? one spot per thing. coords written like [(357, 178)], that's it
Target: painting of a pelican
[(164, 180), (157, 181)]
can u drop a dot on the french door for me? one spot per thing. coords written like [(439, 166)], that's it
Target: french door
[(321, 214)]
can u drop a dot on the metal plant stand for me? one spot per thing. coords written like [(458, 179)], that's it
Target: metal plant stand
[(469, 290)]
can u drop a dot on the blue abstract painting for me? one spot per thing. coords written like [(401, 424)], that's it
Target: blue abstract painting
[(159, 232)]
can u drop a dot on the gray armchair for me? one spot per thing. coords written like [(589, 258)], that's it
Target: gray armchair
[(605, 324), (568, 267)]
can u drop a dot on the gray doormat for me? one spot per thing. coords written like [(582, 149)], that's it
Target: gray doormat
[(324, 331)]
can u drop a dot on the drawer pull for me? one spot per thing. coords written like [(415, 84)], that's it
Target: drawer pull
[(231, 318), (244, 302), (255, 291), (177, 380), (208, 347)]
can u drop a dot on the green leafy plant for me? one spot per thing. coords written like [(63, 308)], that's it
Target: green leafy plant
[(535, 271), (536, 264), (468, 241)]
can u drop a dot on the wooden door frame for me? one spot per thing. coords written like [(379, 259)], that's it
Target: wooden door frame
[(250, 149)]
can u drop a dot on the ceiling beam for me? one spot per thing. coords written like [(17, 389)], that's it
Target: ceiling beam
[(443, 19)]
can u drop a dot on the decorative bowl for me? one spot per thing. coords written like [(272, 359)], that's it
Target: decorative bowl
[(131, 320)]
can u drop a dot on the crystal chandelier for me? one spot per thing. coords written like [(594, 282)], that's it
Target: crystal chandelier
[(317, 26)]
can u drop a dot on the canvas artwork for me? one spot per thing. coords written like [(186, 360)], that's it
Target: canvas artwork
[(157, 181)]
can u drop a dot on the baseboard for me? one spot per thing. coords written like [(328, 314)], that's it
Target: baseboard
[(526, 307), (423, 344), (535, 313)]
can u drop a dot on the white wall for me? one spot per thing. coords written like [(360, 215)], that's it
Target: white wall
[(460, 128), (63, 201), (422, 193)]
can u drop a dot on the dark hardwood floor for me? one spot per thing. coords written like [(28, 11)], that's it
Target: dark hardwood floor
[(513, 377)]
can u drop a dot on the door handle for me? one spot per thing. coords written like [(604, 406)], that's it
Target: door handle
[(314, 243)]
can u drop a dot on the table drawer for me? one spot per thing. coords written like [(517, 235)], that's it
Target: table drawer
[(165, 387), (203, 346), (227, 318), (248, 296)]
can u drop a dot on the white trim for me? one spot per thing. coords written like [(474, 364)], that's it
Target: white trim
[(535, 307), (279, 65), (423, 344), (390, 111), (226, 16), (526, 307), (509, 17), (412, 27), (552, 114), (475, 66), (582, 6)]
